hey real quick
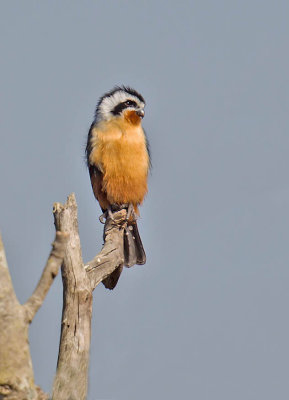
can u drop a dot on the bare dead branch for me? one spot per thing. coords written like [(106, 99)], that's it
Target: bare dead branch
[(72, 368), (16, 373), (79, 281), (111, 255), (7, 293), (50, 271)]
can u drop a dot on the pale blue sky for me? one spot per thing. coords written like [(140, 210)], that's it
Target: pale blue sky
[(206, 317)]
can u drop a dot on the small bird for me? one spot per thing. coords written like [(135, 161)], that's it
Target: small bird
[(118, 159)]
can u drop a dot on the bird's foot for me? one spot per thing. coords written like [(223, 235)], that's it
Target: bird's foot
[(110, 213), (103, 217), (107, 214), (130, 216)]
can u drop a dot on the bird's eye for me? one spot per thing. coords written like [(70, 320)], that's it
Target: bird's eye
[(129, 103)]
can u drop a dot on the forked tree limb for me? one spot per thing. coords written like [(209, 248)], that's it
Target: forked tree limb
[(49, 273), (72, 369), (16, 373), (79, 281)]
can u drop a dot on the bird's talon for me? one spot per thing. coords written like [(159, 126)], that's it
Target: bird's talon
[(110, 213), (102, 218)]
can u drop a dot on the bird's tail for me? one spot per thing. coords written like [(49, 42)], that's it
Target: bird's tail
[(133, 249), (133, 254), (111, 281)]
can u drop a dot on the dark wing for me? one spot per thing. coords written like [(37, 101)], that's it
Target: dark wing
[(148, 147), (88, 147), (96, 177)]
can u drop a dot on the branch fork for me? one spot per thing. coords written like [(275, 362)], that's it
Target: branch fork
[(79, 281)]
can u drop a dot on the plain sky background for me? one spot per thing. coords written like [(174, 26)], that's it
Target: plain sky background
[(207, 316)]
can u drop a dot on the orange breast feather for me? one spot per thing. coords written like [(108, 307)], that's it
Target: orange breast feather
[(119, 151)]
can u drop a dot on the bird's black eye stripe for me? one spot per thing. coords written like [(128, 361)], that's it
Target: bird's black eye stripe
[(120, 107), (130, 103)]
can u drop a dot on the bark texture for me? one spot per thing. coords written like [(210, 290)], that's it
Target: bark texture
[(79, 281), (16, 372), (73, 355)]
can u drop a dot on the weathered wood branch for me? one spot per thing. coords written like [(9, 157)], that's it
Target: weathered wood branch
[(79, 281), (49, 273), (111, 255), (7, 293), (16, 373), (72, 369)]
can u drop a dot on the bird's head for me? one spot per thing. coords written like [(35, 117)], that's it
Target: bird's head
[(121, 102)]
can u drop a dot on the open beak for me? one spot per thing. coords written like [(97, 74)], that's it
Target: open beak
[(140, 113)]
